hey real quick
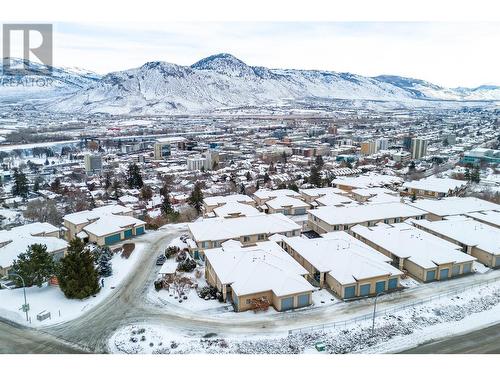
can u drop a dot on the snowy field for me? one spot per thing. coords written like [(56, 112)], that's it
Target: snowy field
[(471, 309), (50, 298)]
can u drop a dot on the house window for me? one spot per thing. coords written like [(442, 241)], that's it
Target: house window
[(246, 239), (335, 227), (204, 244), (261, 236)]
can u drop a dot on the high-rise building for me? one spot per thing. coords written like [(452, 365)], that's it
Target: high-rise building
[(368, 147), (93, 163), (418, 148), (382, 144)]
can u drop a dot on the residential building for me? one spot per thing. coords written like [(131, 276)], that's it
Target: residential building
[(418, 148), (451, 206), (15, 241), (104, 225), (435, 187), (329, 219), (424, 256), (344, 264), (262, 271), (93, 163)]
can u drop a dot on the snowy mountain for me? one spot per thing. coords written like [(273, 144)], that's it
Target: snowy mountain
[(35, 83), (222, 81)]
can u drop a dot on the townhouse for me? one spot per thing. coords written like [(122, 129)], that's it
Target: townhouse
[(15, 241), (211, 233), (287, 206), (234, 210), (248, 275), (329, 219), (451, 206), (433, 187), (424, 256), (104, 225), (261, 196), (344, 264), (480, 240), (210, 203)]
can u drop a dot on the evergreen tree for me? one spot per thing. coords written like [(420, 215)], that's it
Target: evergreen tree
[(315, 177), (107, 181), (134, 178), (475, 175), (55, 186), (196, 198), (266, 178), (146, 193), (166, 206), (78, 277), (319, 162), (293, 186), (36, 184), (248, 176), (20, 187), (116, 188), (467, 175), (102, 259), (242, 189), (35, 266)]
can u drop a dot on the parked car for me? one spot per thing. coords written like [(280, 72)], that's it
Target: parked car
[(161, 260), (7, 284)]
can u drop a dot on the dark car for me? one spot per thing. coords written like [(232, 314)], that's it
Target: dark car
[(161, 260)]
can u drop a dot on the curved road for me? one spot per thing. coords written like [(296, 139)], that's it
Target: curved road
[(127, 305)]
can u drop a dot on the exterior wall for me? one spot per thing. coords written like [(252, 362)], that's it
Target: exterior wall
[(290, 211), (244, 301), (484, 257)]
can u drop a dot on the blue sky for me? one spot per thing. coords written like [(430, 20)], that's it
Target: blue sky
[(449, 54)]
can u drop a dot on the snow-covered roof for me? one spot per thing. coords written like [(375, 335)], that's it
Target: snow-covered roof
[(220, 229), (440, 185), (223, 199), (319, 192), (334, 200), (259, 268), (16, 241), (268, 194), (407, 241), (286, 202), (236, 209), (345, 258), (360, 214), (370, 180), (467, 231), (82, 217), (454, 205), (489, 217)]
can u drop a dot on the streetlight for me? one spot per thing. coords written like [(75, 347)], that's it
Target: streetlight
[(25, 307), (374, 311)]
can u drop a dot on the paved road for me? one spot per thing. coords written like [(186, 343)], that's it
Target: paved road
[(484, 341), (128, 305), (17, 339)]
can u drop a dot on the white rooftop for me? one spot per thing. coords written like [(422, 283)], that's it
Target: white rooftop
[(267, 194), (366, 181), (489, 217), (221, 229), (406, 241), (370, 212), (440, 185), (467, 231), (236, 209), (454, 205), (259, 268), (318, 192), (223, 199), (284, 201), (334, 200), (82, 217), (344, 257), (16, 241)]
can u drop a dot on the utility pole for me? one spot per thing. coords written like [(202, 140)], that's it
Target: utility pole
[(25, 307)]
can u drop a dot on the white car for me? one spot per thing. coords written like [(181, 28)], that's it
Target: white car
[(7, 284)]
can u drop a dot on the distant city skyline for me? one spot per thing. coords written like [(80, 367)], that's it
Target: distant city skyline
[(447, 54)]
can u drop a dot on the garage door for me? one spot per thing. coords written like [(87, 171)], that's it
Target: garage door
[(393, 283), (235, 301), (286, 303), (364, 290), (431, 275), (127, 233), (109, 240), (455, 271), (443, 274), (497, 262), (139, 230), (303, 300), (466, 268), (350, 292), (380, 286)]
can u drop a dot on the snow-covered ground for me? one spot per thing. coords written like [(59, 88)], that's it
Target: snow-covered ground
[(50, 298), (459, 313)]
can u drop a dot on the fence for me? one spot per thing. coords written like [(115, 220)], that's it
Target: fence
[(390, 310)]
